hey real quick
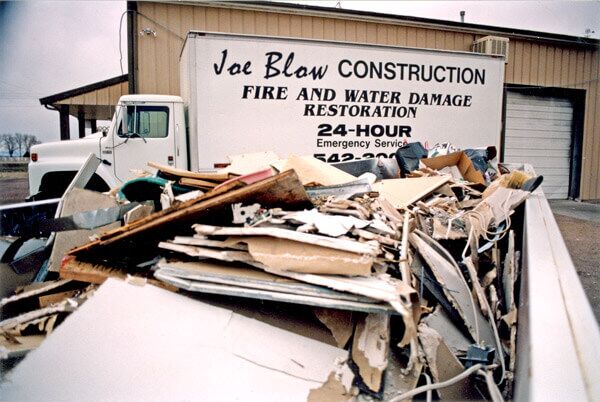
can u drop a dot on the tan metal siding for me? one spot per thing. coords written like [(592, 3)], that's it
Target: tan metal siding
[(529, 62), (101, 97)]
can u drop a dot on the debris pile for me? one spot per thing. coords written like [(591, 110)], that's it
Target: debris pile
[(401, 276)]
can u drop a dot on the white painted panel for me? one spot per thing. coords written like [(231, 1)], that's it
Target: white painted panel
[(538, 132), (337, 101)]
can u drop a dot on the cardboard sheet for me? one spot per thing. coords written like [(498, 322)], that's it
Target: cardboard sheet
[(403, 192), (288, 255), (116, 347)]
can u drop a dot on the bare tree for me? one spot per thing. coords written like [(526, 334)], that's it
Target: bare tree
[(9, 143), (30, 140), (20, 142)]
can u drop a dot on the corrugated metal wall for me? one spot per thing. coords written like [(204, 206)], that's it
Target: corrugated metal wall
[(530, 62)]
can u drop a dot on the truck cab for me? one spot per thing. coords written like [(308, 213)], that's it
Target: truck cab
[(144, 128)]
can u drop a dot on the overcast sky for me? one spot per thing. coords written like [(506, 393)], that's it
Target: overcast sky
[(50, 47)]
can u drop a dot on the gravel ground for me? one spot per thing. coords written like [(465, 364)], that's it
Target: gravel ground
[(14, 187), (579, 223)]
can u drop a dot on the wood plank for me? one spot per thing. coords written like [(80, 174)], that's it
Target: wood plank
[(278, 191)]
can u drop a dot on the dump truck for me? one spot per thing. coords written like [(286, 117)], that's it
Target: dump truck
[(335, 101)]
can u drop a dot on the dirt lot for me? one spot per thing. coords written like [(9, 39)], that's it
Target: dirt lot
[(14, 187), (579, 223)]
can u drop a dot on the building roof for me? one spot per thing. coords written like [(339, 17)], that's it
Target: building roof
[(93, 101), (409, 20), (48, 100)]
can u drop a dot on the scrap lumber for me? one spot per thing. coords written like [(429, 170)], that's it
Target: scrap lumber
[(281, 190), (175, 172)]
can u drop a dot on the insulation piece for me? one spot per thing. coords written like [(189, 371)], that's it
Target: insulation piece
[(371, 347)]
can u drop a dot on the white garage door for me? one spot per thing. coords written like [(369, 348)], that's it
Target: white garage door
[(538, 132)]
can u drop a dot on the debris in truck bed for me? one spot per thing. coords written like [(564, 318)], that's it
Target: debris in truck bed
[(414, 276)]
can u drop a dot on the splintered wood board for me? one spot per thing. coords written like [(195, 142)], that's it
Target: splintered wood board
[(187, 181), (403, 192), (283, 190), (216, 176)]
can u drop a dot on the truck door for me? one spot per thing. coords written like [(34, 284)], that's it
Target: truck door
[(144, 134)]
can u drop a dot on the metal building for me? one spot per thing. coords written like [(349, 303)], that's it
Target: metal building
[(552, 96)]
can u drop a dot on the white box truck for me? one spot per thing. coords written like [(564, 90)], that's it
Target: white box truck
[(243, 94)]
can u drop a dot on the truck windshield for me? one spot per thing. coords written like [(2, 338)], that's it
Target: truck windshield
[(146, 121)]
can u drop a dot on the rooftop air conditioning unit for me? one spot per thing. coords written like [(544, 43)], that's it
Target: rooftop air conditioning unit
[(491, 45)]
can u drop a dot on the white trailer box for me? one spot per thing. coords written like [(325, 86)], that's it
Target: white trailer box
[(336, 101)]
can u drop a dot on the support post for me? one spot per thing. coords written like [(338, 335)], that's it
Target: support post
[(93, 125), (65, 133), (81, 121)]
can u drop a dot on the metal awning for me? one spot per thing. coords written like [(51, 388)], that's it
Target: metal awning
[(88, 103)]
